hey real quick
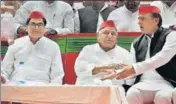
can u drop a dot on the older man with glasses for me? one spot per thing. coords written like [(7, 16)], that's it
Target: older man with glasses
[(33, 59)]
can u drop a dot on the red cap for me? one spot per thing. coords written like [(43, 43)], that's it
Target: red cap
[(108, 23), (148, 9), (36, 14)]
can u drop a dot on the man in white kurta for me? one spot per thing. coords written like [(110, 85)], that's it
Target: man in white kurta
[(95, 58), (33, 59), (125, 17), (153, 85), (59, 16)]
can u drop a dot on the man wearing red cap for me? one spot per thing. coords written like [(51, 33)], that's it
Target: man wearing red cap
[(59, 16), (154, 51), (95, 58), (33, 59)]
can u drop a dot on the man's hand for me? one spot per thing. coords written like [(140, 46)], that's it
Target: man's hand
[(127, 71), (112, 70), (99, 69), (5, 8), (22, 30), (109, 74), (3, 80), (4, 38), (118, 66), (50, 31), (172, 27)]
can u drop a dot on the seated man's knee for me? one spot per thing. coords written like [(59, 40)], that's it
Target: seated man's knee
[(163, 97), (174, 96), (133, 95)]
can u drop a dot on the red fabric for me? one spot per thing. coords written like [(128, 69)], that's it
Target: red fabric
[(148, 9), (108, 23), (36, 14), (70, 76), (4, 102)]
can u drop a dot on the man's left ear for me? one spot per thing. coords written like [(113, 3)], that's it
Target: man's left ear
[(156, 20)]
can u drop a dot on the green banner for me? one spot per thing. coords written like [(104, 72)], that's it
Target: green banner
[(62, 43), (125, 42), (77, 43), (3, 50)]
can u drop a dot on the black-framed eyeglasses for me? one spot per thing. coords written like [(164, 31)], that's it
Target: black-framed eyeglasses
[(33, 25)]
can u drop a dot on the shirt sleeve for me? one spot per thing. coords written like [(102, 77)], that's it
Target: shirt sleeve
[(83, 67), (8, 63), (161, 58), (68, 22), (57, 72), (21, 15)]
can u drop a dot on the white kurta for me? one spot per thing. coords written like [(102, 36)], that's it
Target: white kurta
[(39, 63), (59, 15), (168, 51), (152, 87), (151, 78), (124, 19), (94, 55)]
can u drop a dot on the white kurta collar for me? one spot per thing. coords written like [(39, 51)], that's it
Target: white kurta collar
[(173, 6), (38, 43)]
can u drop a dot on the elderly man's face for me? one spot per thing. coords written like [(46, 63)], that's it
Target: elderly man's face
[(36, 28), (107, 37)]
